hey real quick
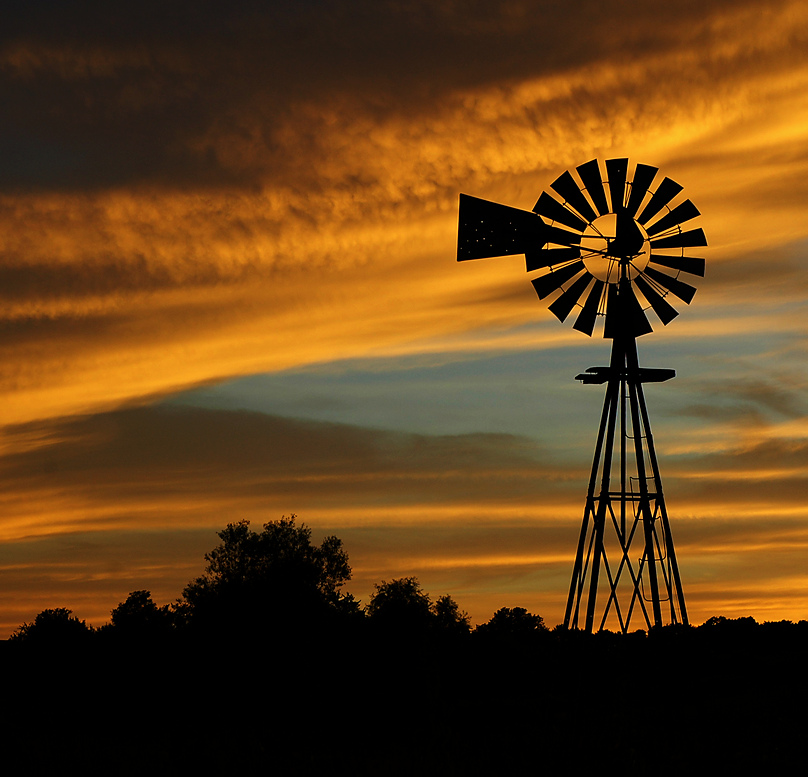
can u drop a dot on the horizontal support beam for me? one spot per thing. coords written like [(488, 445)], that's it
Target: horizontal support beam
[(643, 375), (631, 497)]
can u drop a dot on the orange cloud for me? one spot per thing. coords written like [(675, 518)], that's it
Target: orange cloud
[(484, 517), (278, 187)]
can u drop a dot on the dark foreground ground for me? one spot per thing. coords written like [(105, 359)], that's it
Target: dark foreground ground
[(681, 700)]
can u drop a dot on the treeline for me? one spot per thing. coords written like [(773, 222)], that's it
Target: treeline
[(276, 584), (265, 665)]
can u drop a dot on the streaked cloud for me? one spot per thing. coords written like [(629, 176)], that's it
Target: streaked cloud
[(201, 194), (469, 514)]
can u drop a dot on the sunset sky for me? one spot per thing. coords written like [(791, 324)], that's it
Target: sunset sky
[(230, 291)]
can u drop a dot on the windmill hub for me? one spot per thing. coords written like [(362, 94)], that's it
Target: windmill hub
[(603, 248), (613, 249), (628, 239)]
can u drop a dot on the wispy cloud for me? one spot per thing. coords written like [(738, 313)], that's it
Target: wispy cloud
[(202, 193), (467, 513)]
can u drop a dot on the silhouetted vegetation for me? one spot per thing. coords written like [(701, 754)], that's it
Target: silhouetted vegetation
[(139, 618), (57, 627), (402, 607), (266, 665), (263, 583), (512, 623)]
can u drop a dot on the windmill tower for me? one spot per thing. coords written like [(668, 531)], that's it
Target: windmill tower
[(613, 246)]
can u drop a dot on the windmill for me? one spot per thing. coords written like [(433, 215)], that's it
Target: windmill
[(611, 244)]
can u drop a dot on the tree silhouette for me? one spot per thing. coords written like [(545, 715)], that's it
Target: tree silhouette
[(402, 605), (57, 626), (449, 618), (737, 625), (275, 578), (140, 618), (512, 623)]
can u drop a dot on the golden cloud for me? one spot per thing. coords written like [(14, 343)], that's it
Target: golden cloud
[(272, 188), (467, 514)]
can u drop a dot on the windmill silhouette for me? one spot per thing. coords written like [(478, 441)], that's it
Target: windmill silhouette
[(614, 247)]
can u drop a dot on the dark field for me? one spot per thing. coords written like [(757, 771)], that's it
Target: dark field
[(727, 696)]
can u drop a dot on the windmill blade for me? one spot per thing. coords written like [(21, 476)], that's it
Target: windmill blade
[(563, 306), (624, 314), (616, 170), (487, 229), (637, 320), (679, 288), (664, 310), (590, 175), (667, 190), (690, 239), (551, 208), (555, 279), (612, 323), (548, 257), (689, 264), (643, 178), (586, 318), (679, 215), (565, 185)]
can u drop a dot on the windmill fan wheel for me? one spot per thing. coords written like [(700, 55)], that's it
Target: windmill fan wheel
[(611, 245)]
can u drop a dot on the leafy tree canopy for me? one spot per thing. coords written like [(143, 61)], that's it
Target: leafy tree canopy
[(275, 575), (514, 622), (449, 617), (402, 604), (139, 616), (57, 626)]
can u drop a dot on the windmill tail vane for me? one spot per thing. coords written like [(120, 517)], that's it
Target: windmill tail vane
[(610, 246)]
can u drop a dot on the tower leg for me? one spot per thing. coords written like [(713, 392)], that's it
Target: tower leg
[(594, 516), (676, 596)]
